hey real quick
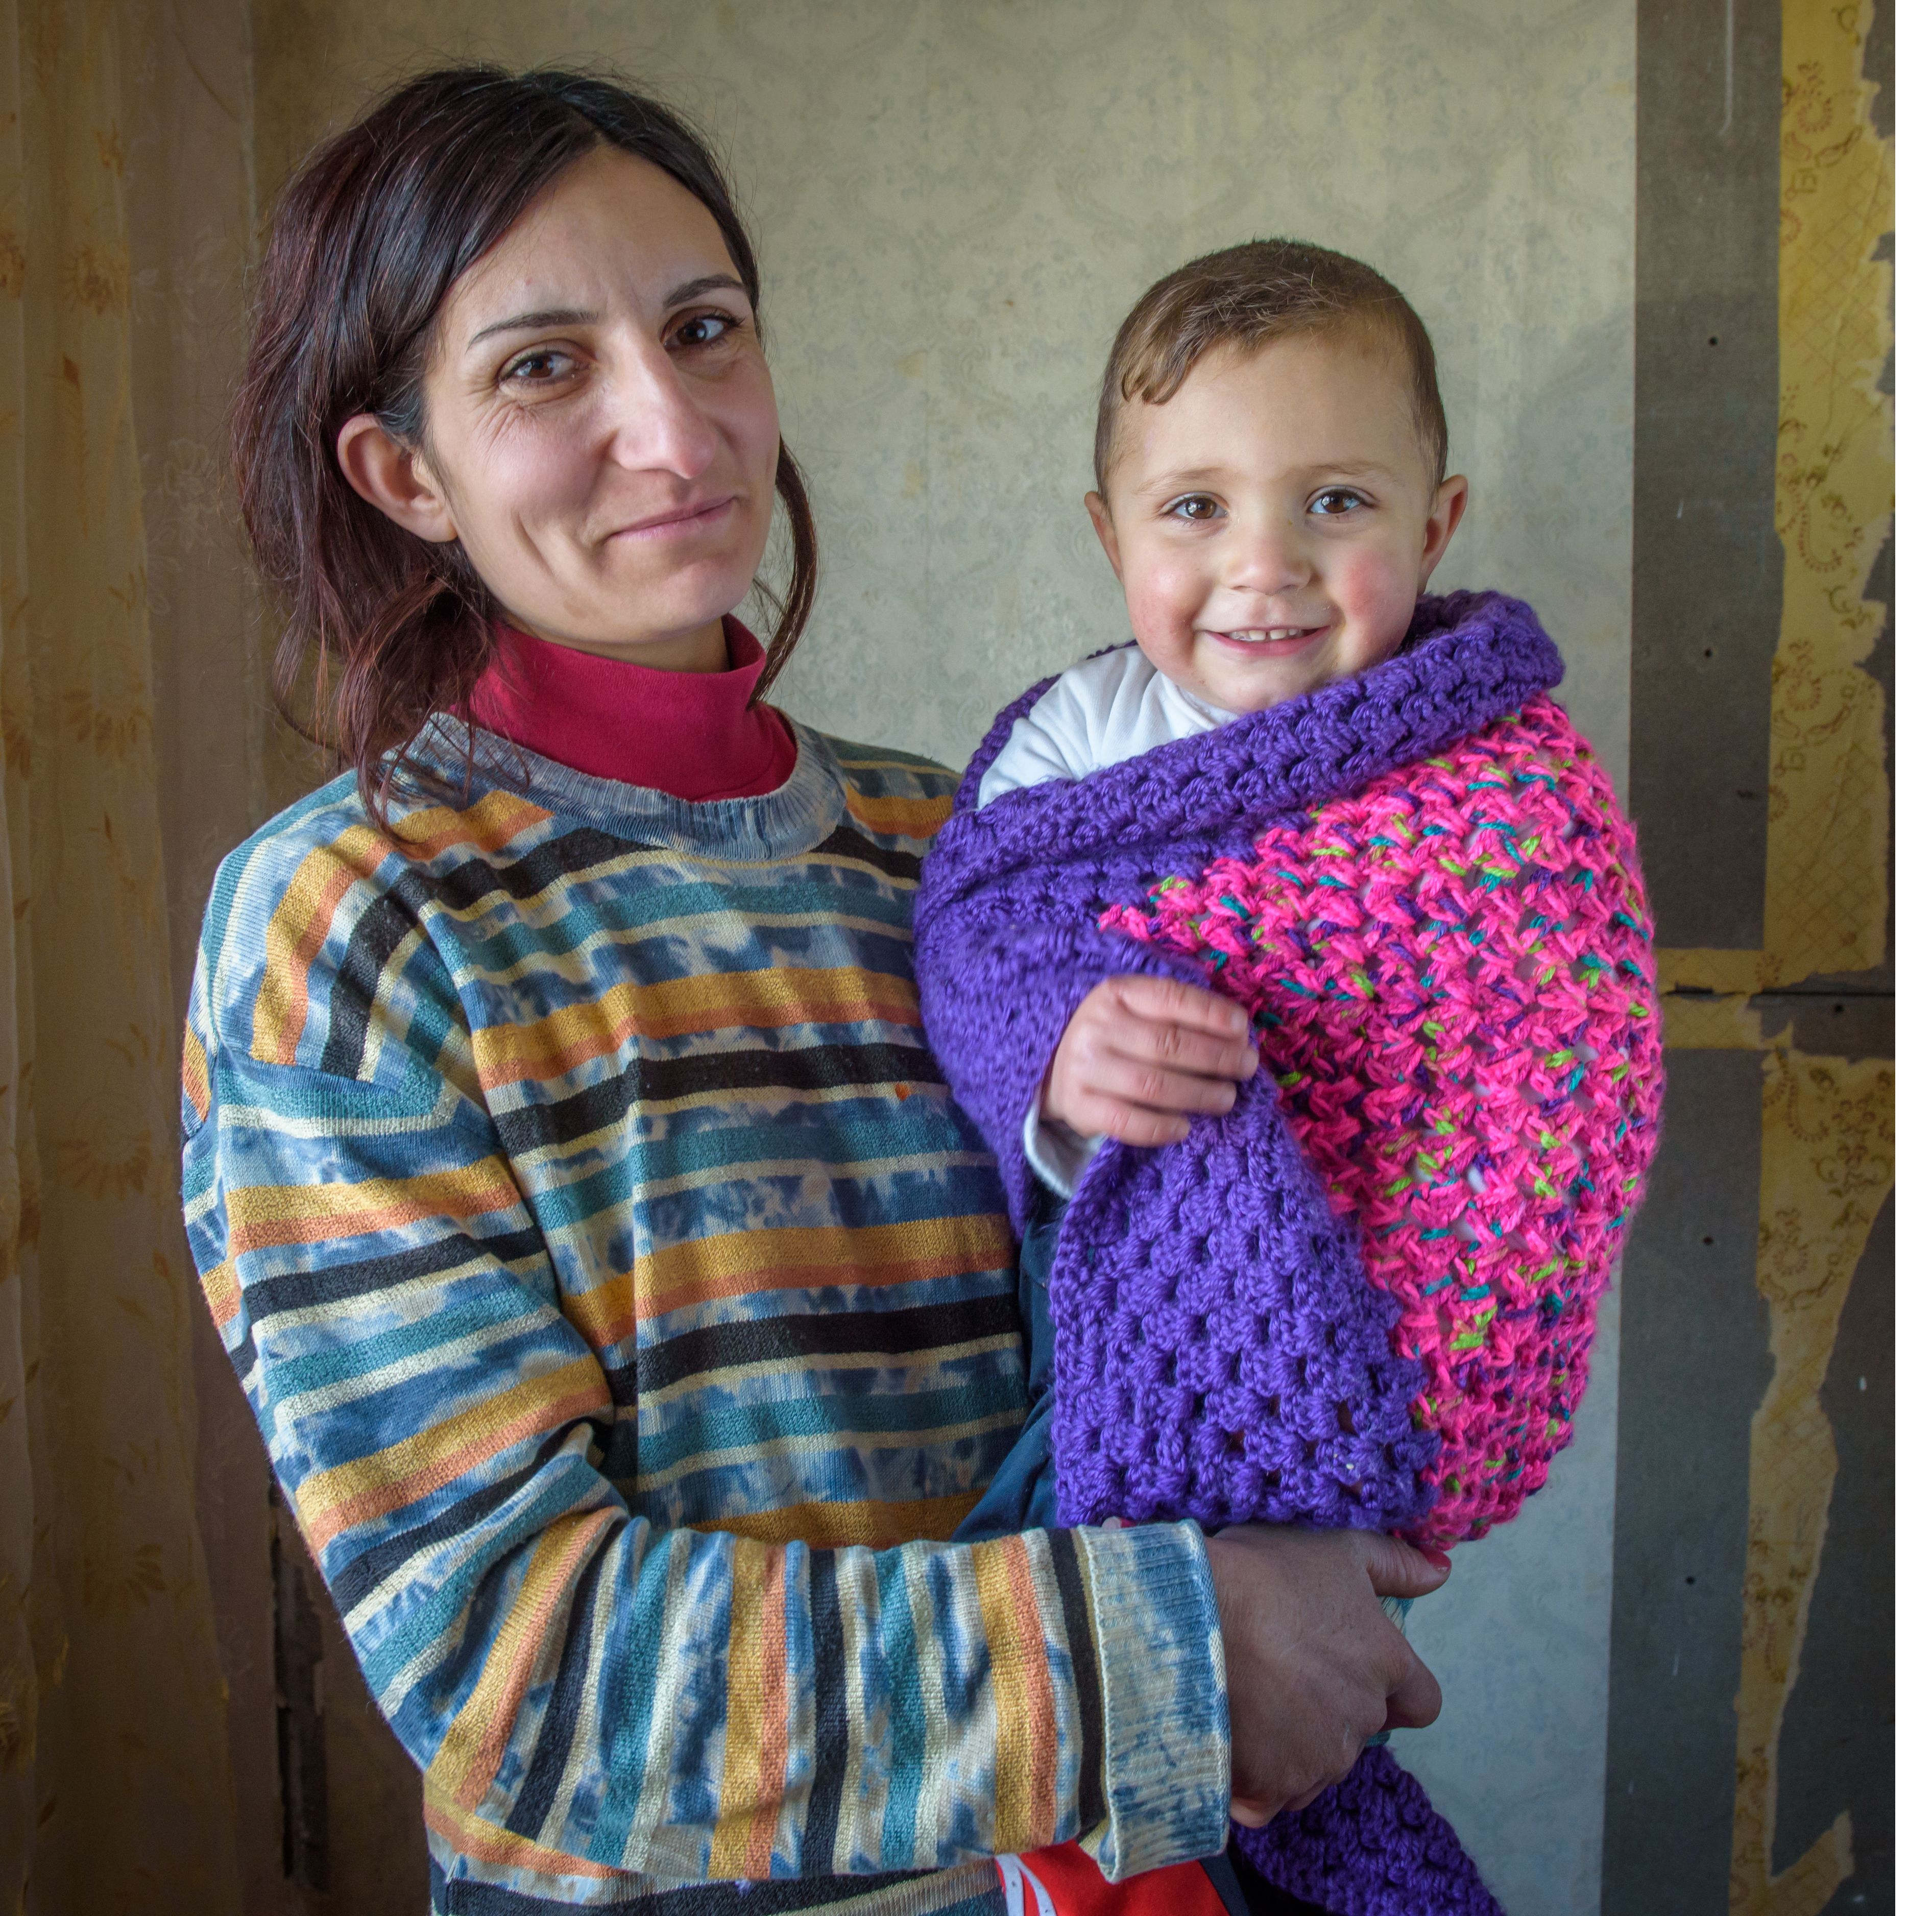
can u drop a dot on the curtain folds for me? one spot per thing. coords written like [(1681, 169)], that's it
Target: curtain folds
[(115, 1786)]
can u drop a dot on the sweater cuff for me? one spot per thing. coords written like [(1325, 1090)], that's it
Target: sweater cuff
[(1164, 1697)]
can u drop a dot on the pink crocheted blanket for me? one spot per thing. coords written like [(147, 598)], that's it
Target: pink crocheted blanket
[(1450, 976), (1421, 886)]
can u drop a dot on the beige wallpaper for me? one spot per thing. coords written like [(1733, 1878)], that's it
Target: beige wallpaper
[(956, 202)]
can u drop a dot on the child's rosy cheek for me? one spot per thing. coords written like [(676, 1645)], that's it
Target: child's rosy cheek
[(1174, 583)]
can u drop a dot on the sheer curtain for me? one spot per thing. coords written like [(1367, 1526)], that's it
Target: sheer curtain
[(115, 1786)]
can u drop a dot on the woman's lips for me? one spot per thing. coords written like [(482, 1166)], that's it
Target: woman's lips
[(679, 520), (1268, 641)]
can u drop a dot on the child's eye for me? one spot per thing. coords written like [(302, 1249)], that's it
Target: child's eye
[(705, 329), (1335, 501), (1195, 509)]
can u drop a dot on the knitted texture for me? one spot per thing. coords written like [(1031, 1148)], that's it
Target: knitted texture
[(1219, 1352), (1446, 952), (1372, 1846), (1450, 976)]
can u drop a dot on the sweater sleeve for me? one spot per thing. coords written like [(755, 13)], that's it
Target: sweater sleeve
[(579, 1686)]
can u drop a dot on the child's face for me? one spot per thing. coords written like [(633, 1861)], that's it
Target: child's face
[(1274, 522)]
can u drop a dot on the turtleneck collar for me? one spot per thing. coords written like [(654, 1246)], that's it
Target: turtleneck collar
[(695, 735)]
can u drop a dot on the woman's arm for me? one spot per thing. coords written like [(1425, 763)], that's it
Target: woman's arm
[(573, 1680)]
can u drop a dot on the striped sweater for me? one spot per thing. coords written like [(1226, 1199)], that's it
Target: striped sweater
[(629, 1312)]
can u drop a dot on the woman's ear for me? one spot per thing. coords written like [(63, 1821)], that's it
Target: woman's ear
[(394, 478), (1452, 499), (1103, 525)]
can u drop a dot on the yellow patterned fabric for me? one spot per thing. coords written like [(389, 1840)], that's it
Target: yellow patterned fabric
[(1827, 1133), (1826, 882), (110, 1696)]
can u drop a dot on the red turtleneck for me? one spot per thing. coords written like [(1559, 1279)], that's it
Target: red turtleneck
[(696, 735)]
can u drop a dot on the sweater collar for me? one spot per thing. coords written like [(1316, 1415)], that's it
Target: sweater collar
[(695, 735), (446, 763)]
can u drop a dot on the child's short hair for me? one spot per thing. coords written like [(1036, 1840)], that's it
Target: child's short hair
[(1246, 296)]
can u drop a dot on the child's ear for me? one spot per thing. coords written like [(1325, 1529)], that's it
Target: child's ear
[(1103, 525), (1452, 500)]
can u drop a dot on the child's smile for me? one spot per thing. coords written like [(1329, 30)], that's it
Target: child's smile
[(1273, 523)]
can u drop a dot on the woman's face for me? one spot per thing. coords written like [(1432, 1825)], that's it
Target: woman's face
[(600, 428)]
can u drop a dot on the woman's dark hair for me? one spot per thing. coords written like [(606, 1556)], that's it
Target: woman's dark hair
[(383, 628)]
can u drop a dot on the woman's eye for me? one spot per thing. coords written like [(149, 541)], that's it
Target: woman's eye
[(1196, 508), (706, 329), (538, 368), (1337, 499)]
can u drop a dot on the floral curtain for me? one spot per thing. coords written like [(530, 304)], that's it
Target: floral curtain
[(115, 1786)]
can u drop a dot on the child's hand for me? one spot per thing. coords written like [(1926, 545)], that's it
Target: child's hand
[(1139, 1053)]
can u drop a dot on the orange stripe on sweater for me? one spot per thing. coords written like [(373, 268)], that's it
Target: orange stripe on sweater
[(793, 1258), (470, 1836), (334, 1500), (752, 1779), (299, 925), (1025, 1738), (766, 1000), (897, 817), (296, 930), (220, 1287), (260, 1215), (826, 1525), (194, 1073), (473, 1751)]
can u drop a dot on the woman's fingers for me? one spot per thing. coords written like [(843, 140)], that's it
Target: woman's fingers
[(1417, 1700), (1399, 1568), (1313, 1665), (1255, 1815)]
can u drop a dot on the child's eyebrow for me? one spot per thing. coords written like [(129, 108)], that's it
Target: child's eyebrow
[(1308, 475)]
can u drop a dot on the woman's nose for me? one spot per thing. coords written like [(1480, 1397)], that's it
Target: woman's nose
[(659, 426)]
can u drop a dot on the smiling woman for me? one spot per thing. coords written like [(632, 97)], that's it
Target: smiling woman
[(555, 385), (627, 1307), (599, 432)]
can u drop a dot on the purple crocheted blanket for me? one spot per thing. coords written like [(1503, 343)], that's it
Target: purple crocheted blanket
[(1376, 1313)]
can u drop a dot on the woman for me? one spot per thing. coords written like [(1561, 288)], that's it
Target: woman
[(626, 1305)]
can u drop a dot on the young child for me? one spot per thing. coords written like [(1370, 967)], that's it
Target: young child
[(1359, 1290)]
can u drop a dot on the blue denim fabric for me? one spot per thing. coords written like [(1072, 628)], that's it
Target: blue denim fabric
[(1022, 1496)]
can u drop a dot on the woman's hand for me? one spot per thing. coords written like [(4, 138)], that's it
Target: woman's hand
[(1315, 1669), (1139, 1053)]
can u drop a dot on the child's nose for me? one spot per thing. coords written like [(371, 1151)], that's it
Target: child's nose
[(1272, 557)]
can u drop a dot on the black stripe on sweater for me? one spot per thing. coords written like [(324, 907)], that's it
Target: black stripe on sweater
[(1066, 1556), (845, 843), (558, 1729), (662, 1080), (354, 1582), (572, 854), (829, 1740), (925, 1329), (338, 1284), (378, 933)]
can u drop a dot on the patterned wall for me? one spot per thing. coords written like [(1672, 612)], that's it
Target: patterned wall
[(1750, 1727)]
